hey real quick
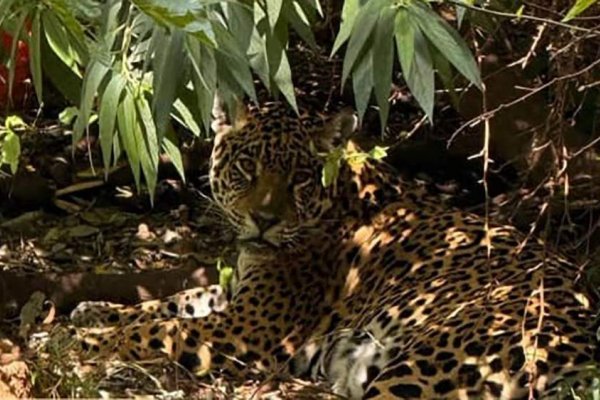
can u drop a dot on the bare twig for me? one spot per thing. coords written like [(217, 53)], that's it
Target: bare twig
[(489, 114), (525, 17)]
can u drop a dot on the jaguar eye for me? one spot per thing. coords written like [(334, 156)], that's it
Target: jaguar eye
[(247, 166), (302, 177)]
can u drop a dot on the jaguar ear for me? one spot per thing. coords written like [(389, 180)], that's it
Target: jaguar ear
[(228, 115), (337, 130)]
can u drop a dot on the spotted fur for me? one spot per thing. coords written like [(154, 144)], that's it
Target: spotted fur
[(371, 283)]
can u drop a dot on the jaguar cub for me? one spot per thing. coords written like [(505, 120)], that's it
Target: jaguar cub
[(371, 282)]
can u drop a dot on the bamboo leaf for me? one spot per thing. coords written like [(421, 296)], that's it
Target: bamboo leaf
[(15, 33), (187, 15), (447, 41), (172, 151), (273, 11), (204, 78), (418, 66), (383, 58), (95, 72), (405, 40), (579, 7), (362, 82), (167, 78), (349, 13), (146, 142), (108, 113), (280, 68), (299, 22), (35, 56), (128, 130), (361, 31), (184, 117), (58, 39)]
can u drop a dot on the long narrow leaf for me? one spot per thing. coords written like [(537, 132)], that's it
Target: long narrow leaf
[(232, 63), (35, 56), (296, 18), (147, 143), (579, 7), (167, 78), (383, 58), (274, 11), (58, 39), (95, 72), (361, 31), (108, 113), (145, 116), (128, 132), (417, 65), (447, 41), (349, 13), (188, 16), (174, 154), (280, 68), (16, 33), (362, 81), (204, 78)]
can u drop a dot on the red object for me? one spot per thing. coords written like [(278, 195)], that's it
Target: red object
[(22, 82)]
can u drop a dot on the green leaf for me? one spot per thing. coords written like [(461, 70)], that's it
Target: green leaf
[(35, 56), (579, 7), (167, 77), (361, 31), (184, 117), (128, 132), (349, 13), (419, 78), (5, 5), (63, 78), (187, 15), (383, 58), (67, 115), (108, 113), (280, 69), (11, 150), (95, 72), (445, 72), (331, 167), (520, 10), (172, 151), (273, 11), (447, 41), (10, 144), (146, 142), (232, 64), (14, 121), (240, 21), (109, 27), (16, 33), (297, 19), (145, 116), (378, 153), (58, 39), (204, 78), (226, 274), (405, 40), (362, 81)]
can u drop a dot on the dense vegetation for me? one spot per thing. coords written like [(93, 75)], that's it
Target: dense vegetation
[(500, 98)]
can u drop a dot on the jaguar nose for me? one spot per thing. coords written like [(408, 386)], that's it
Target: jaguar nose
[(264, 220)]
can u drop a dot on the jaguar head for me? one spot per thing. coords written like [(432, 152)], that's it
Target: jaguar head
[(266, 173)]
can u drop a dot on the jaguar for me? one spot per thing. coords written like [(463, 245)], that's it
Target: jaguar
[(370, 282)]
